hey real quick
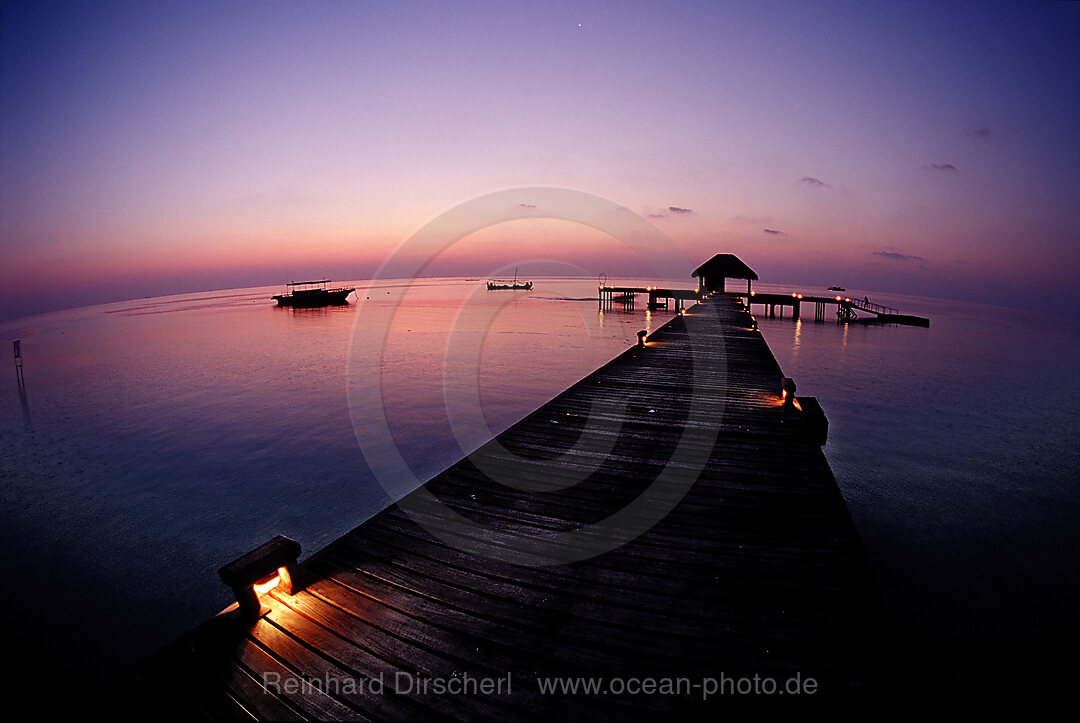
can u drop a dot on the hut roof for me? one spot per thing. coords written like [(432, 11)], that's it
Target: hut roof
[(727, 265)]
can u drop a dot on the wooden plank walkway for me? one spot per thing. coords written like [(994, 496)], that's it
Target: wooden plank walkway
[(757, 571)]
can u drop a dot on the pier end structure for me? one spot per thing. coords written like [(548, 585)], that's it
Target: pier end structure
[(713, 274)]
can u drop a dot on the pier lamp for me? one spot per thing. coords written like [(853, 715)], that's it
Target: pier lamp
[(787, 391), (838, 298), (642, 337), (255, 573)]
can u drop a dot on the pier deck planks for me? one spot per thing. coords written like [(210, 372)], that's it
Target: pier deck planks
[(757, 571)]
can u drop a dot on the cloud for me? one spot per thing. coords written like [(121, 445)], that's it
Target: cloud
[(979, 132), (774, 232), (527, 205), (811, 181), (897, 256), (672, 209), (948, 167)]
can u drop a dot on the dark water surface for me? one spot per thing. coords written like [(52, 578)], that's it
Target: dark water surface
[(159, 438), (956, 450)]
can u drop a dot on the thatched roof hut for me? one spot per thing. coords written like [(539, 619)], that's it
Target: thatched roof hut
[(720, 267)]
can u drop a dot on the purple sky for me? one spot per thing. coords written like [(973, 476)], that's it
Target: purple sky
[(151, 148)]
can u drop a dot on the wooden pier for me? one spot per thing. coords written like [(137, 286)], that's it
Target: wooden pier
[(659, 297), (847, 308), (757, 569)]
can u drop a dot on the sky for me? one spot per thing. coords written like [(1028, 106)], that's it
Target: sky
[(919, 147)]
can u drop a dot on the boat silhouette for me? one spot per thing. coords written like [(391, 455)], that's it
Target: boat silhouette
[(312, 294)]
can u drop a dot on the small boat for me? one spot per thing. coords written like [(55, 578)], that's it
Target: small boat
[(514, 285), (837, 288), (498, 285), (312, 294)]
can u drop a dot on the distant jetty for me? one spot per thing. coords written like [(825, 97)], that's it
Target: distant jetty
[(712, 278)]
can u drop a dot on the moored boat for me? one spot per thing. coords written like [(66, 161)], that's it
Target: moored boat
[(500, 284), (312, 294)]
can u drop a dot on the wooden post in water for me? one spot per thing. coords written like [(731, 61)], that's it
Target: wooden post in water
[(18, 363), (845, 311), (21, 383)]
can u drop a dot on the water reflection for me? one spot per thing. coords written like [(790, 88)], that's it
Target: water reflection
[(24, 403), (315, 312)]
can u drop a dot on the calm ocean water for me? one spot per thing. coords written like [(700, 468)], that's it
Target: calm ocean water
[(159, 438), (956, 450)]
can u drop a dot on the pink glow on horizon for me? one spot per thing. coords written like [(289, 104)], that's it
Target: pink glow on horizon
[(148, 149)]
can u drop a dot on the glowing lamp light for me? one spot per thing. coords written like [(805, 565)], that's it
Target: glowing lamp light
[(847, 300), (838, 298), (794, 295), (753, 293), (800, 296), (253, 575), (642, 337), (787, 391), (261, 588)]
